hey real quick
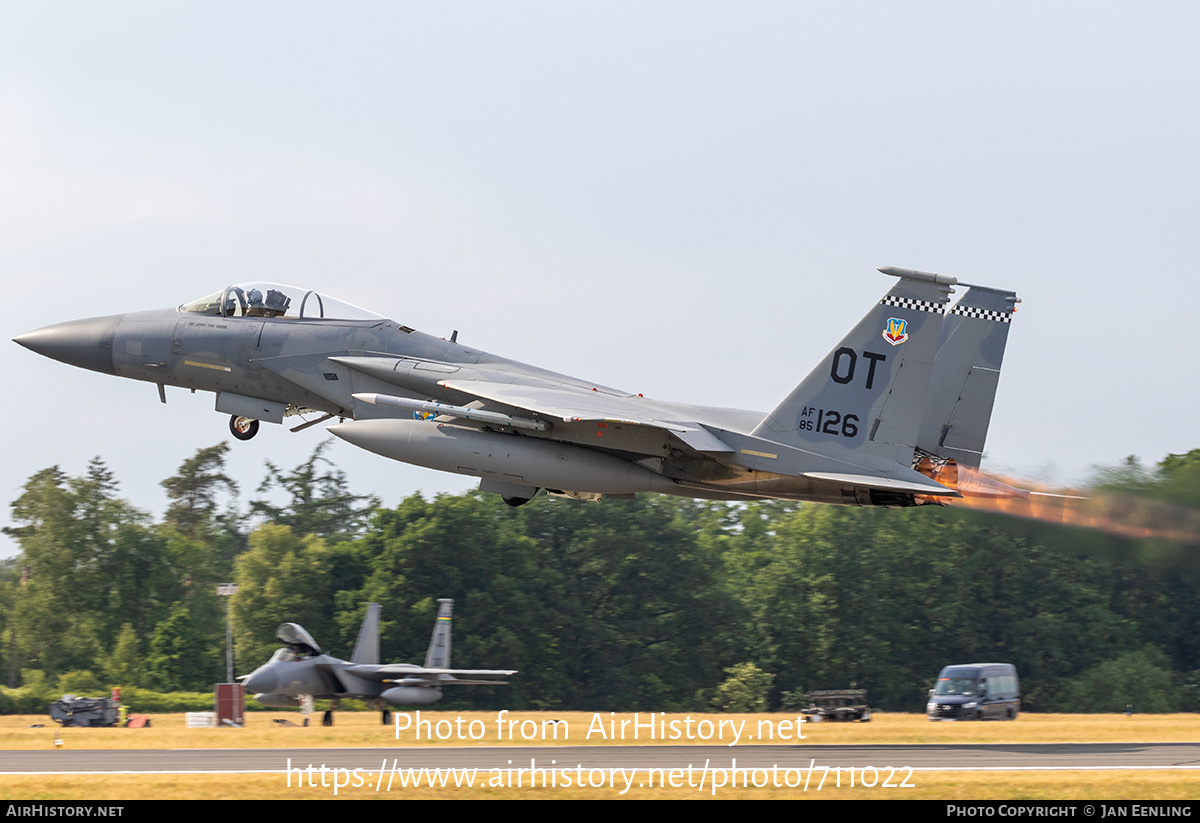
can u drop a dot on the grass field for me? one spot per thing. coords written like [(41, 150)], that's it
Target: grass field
[(364, 729)]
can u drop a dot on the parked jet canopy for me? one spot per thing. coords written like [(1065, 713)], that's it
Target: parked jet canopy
[(299, 673)]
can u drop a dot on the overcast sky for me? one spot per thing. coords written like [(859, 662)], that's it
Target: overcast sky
[(686, 199)]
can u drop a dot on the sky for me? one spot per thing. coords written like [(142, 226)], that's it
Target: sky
[(683, 199)]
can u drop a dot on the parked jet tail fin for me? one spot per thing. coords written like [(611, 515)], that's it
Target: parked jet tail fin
[(439, 645), (965, 373), (865, 400), (366, 649)]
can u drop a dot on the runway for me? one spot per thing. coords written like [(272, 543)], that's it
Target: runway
[(924, 757)]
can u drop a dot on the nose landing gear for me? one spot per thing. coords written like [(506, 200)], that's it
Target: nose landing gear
[(243, 428)]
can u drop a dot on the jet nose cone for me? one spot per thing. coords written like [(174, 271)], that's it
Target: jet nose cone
[(260, 681), (87, 344)]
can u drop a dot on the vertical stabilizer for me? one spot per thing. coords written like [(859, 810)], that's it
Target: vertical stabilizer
[(366, 650), (965, 374), (864, 401), (439, 645)]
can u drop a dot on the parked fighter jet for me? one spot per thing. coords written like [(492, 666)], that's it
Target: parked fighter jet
[(895, 415), (299, 671)]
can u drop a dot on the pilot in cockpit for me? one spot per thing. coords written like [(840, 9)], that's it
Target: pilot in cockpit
[(254, 304)]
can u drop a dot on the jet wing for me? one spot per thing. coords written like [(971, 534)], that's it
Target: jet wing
[(549, 396), (568, 405), (575, 406), (563, 402), (417, 675)]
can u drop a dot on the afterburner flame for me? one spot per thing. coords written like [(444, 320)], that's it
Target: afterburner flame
[(1119, 514)]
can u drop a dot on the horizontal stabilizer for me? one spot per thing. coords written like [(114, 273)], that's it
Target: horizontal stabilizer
[(884, 483)]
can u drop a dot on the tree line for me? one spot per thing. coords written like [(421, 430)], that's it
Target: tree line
[(651, 604)]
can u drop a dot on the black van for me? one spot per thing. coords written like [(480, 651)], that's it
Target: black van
[(976, 691)]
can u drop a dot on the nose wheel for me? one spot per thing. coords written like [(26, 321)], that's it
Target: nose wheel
[(243, 428)]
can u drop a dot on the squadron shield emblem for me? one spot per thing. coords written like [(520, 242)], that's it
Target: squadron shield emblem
[(896, 331)]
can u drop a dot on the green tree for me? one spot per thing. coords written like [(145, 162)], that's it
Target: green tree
[(124, 665), (637, 603), (1141, 679), (183, 656), (319, 501), (1180, 479), (195, 492), (465, 548), (82, 683), (282, 578), (746, 689), (202, 508), (73, 533)]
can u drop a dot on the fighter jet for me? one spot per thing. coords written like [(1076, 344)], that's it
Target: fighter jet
[(895, 415), (299, 672)]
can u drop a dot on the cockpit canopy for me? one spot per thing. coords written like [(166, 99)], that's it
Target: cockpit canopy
[(276, 300), (297, 638)]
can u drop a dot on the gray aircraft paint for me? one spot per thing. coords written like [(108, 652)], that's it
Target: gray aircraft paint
[(301, 669), (851, 432), (965, 375), (869, 393)]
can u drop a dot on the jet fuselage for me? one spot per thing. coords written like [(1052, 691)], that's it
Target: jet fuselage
[(848, 434)]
